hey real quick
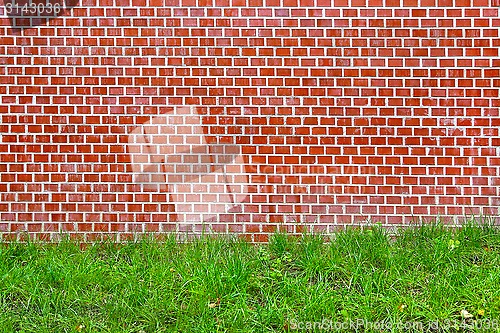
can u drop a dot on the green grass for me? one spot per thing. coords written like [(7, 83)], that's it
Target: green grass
[(426, 275)]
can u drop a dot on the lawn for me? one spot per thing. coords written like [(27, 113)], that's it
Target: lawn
[(426, 279)]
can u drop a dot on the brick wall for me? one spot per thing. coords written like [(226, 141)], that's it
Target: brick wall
[(343, 111)]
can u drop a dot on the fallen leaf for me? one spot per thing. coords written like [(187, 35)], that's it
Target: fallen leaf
[(172, 270), (401, 307), (465, 314), (213, 305), (80, 328)]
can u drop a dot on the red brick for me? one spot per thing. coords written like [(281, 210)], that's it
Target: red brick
[(365, 97)]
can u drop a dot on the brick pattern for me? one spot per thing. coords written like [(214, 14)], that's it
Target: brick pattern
[(345, 111), (204, 180)]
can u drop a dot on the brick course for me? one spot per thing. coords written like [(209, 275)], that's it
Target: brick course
[(345, 111)]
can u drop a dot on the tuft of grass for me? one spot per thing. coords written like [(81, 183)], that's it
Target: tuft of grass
[(426, 277)]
